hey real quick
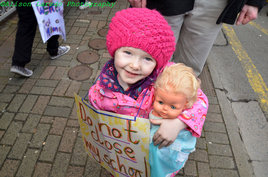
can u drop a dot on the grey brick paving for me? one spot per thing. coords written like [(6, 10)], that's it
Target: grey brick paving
[(42, 90), (28, 103), (224, 173), (6, 97), (42, 169), (221, 162), (60, 101), (68, 139), (214, 117), (79, 156), (41, 104), (16, 103), (219, 149), (3, 107), (190, 168), (28, 163), (47, 83), (47, 119), (214, 137), (92, 168), (21, 116), (51, 145), (9, 168), (58, 126), (20, 146), (75, 171), (3, 153), (5, 120), (60, 164), (212, 100), (201, 155), (39, 131), (40, 135), (214, 108), (11, 133), (27, 86), (11, 89), (31, 123), (203, 169), (1, 133), (214, 127), (57, 111), (201, 143)]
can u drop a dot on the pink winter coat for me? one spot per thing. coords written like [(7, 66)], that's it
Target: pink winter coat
[(105, 99)]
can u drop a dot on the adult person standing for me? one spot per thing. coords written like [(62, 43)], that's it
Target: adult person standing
[(24, 41), (196, 23)]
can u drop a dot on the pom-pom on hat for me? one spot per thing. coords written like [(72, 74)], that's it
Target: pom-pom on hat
[(144, 29)]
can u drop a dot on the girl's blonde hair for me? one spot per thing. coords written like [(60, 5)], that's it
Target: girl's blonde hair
[(179, 78)]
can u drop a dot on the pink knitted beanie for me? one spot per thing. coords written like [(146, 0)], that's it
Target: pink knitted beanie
[(143, 29)]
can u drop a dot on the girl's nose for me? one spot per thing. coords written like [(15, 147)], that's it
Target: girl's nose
[(135, 64)]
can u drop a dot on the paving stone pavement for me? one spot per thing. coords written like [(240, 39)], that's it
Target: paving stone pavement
[(39, 131)]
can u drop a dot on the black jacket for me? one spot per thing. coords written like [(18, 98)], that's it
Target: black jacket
[(177, 7)]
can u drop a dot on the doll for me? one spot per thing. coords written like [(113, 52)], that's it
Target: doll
[(176, 90)]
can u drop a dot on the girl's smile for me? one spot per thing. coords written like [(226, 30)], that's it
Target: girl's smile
[(131, 74)]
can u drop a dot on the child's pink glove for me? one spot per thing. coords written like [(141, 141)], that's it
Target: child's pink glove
[(168, 131)]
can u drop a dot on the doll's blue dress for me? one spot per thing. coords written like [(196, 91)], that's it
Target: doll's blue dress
[(167, 160)]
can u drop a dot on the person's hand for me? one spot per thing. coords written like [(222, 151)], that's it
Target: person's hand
[(167, 132), (247, 14), (138, 3)]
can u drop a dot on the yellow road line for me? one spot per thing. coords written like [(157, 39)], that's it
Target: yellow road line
[(259, 27), (254, 78)]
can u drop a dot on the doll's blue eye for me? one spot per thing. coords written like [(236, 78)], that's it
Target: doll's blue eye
[(160, 102), (173, 107)]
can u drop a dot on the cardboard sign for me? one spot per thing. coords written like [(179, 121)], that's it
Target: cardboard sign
[(50, 18), (117, 142)]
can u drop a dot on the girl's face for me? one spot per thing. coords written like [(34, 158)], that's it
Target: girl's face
[(167, 104), (132, 65)]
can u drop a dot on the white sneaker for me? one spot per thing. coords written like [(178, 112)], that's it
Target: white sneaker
[(61, 51), (21, 71), (84, 6)]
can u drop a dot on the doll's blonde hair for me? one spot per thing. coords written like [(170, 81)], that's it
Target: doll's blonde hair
[(179, 78)]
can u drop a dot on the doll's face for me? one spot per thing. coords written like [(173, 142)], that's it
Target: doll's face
[(132, 65), (167, 104)]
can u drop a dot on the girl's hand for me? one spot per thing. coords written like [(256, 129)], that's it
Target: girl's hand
[(167, 132)]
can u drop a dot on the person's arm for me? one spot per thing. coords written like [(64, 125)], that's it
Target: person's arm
[(138, 3), (167, 132)]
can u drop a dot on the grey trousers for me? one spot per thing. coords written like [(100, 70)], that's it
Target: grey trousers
[(195, 32)]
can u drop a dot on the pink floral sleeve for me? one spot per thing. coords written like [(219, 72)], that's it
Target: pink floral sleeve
[(195, 117)]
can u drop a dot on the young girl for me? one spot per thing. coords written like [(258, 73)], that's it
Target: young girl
[(141, 42), (176, 90)]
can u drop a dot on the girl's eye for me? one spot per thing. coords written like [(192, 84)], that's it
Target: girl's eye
[(148, 59), (127, 52), (173, 107), (160, 102)]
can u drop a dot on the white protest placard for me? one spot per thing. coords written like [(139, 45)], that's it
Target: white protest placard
[(117, 142), (50, 18)]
